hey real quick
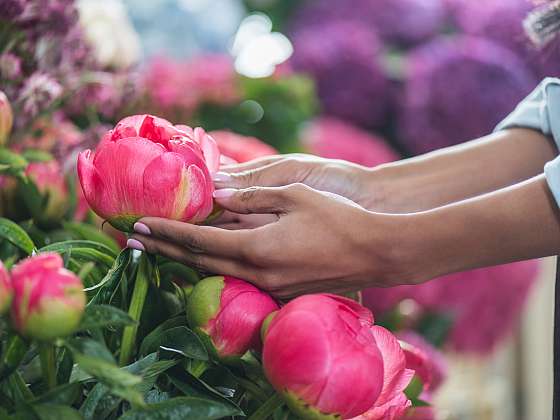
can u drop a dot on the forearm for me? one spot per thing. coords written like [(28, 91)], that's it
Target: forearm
[(459, 172), (515, 223)]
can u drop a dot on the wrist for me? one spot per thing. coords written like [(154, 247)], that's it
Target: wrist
[(381, 182)]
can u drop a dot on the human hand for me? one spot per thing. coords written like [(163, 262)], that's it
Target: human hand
[(336, 176), (319, 242)]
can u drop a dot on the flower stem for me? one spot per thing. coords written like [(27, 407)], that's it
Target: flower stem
[(139, 293), (266, 410), (48, 364), (13, 352)]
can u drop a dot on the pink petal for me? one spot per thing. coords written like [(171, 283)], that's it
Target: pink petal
[(209, 149)]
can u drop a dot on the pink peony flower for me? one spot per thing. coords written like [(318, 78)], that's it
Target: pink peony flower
[(335, 139), (325, 356), (146, 166), (241, 148), (485, 304), (6, 290), (48, 299), (50, 182), (227, 314), (6, 119)]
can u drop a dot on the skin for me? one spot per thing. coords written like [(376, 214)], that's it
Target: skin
[(299, 224)]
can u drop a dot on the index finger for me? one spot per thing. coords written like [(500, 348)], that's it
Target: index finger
[(200, 239)]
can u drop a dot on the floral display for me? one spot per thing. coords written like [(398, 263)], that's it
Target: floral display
[(147, 175), (228, 313)]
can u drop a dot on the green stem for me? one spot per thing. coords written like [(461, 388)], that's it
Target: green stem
[(251, 388), (139, 293), (48, 363), (269, 407)]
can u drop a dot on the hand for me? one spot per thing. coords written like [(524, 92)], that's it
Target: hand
[(319, 242), (336, 176)]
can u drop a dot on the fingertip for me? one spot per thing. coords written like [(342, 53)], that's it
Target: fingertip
[(133, 243), (224, 193)]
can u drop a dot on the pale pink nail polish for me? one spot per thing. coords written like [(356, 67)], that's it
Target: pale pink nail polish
[(221, 177), (142, 229), (224, 193), (134, 244)]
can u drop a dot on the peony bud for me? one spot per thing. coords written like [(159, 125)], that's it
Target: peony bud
[(146, 166), (241, 148), (6, 119), (323, 354), (52, 186), (48, 299), (6, 291), (227, 314)]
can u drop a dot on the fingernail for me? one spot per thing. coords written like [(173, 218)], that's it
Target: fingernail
[(134, 244), (221, 177), (142, 229), (224, 193)]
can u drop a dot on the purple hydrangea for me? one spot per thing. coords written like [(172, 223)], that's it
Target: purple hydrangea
[(484, 304), (458, 89), (343, 58), (396, 21)]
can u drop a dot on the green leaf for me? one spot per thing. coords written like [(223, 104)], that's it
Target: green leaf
[(92, 233), (179, 271), (181, 408), (110, 282), (90, 347), (65, 394), (34, 155), (179, 340), (13, 163), (62, 247), (152, 340), (55, 412), (101, 316), (14, 234)]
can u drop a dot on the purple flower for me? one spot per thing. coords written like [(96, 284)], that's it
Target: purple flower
[(396, 21), (343, 58), (485, 304), (10, 66), (39, 92), (11, 9), (458, 89)]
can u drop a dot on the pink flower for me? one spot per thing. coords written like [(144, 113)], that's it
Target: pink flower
[(6, 290), (241, 148), (227, 313), (50, 182), (484, 304), (325, 356), (6, 119), (335, 139), (146, 166), (48, 299)]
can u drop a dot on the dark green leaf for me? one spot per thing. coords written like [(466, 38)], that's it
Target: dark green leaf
[(107, 286), (13, 163), (153, 338), (101, 316), (91, 348), (92, 233), (179, 271), (63, 247), (63, 394), (192, 408), (55, 412), (13, 233), (179, 340)]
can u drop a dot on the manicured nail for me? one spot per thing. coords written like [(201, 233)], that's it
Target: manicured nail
[(221, 177), (142, 229), (225, 193), (134, 244)]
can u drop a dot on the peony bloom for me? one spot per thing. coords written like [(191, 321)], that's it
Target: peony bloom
[(50, 182), (146, 166), (325, 356), (241, 148), (344, 60), (227, 314), (484, 304), (459, 89), (335, 139), (48, 299), (6, 119), (6, 290)]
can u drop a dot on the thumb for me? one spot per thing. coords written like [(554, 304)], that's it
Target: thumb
[(258, 200), (274, 174)]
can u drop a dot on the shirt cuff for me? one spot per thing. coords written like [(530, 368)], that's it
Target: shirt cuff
[(552, 174)]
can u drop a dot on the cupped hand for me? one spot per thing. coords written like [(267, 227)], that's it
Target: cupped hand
[(318, 242), (336, 176)]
